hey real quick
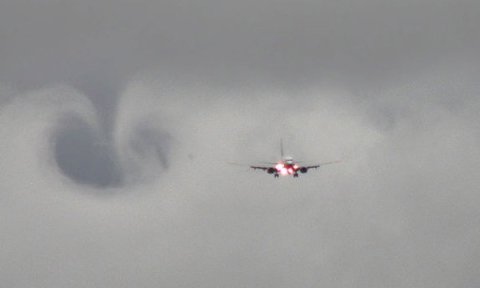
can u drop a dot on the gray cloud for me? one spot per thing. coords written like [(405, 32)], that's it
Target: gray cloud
[(145, 103), (292, 42)]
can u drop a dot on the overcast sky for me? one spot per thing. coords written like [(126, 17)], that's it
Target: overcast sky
[(118, 118)]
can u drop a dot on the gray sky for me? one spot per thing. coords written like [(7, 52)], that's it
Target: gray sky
[(117, 119)]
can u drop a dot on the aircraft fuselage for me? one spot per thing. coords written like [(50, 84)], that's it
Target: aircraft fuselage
[(286, 167)]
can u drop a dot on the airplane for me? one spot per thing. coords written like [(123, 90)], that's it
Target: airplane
[(287, 166)]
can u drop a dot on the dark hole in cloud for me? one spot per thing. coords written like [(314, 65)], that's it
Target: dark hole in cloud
[(87, 157), (82, 157)]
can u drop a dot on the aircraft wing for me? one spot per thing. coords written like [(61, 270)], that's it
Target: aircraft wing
[(261, 167), (316, 166)]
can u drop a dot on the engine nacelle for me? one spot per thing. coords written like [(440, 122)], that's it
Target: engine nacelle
[(271, 170), (304, 170)]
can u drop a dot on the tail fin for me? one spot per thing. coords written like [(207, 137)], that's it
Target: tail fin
[(281, 148)]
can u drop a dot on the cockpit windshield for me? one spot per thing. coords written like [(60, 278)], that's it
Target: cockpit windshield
[(288, 160)]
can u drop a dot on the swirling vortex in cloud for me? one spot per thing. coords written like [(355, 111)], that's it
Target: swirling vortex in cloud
[(57, 130), (405, 202), (57, 134)]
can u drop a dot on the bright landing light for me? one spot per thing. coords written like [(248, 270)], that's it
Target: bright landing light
[(279, 166)]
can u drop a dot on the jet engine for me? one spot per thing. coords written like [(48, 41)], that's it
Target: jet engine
[(271, 170), (304, 170)]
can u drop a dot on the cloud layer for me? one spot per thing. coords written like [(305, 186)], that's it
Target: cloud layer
[(117, 122)]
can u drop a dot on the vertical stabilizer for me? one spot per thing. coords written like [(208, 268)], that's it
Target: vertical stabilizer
[(281, 148)]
